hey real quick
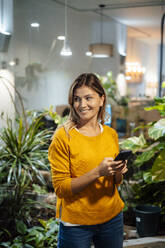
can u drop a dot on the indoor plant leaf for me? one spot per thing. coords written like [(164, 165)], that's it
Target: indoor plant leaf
[(21, 227), (145, 156), (134, 143), (158, 171), (157, 130)]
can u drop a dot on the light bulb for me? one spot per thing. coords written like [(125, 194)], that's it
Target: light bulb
[(61, 37), (88, 53), (35, 25), (66, 51)]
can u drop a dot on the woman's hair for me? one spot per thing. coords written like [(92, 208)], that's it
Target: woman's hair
[(92, 81)]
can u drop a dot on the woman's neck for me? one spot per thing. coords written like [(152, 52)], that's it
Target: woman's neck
[(90, 128)]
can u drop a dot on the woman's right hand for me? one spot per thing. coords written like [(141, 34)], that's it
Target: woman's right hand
[(108, 167)]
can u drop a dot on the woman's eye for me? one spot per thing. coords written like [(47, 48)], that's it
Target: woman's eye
[(89, 98), (76, 99)]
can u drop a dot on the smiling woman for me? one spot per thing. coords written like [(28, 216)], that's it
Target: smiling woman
[(84, 174)]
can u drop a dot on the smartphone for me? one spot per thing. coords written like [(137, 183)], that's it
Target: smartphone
[(123, 155)]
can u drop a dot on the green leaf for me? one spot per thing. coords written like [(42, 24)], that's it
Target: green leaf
[(28, 246), (34, 230), (19, 169), (159, 100), (158, 171), (147, 176), (159, 105), (6, 244), (17, 245), (158, 146), (24, 176), (157, 130), (145, 156), (21, 227), (52, 230), (43, 223), (11, 171), (6, 231), (134, 143), (20, 133)]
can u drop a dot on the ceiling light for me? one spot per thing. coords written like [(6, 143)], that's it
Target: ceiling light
[(61, 37), (5, 32), (35, 24), (88, 53), (12, 63), (134, 72), (101, 50), (66, 51)]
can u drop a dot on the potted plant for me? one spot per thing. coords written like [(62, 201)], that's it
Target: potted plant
[(149, 157), (23, 153)]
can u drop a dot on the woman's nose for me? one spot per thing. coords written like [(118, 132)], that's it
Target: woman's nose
[(83, 102)]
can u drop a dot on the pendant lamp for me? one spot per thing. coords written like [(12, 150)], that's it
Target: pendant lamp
[(66, 51), (101, 50)]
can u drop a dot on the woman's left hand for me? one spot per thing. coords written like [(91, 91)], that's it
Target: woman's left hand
[(124, 168), (119, 173)]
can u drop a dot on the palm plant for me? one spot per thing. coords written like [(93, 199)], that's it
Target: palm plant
[(23, 153)]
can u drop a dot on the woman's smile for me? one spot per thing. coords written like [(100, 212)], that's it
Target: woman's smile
[(84, 110)]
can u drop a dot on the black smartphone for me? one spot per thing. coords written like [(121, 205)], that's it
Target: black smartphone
[(123, 155)]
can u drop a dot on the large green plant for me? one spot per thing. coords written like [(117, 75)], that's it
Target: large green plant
[(152, 149), (149, 162), (22, 155), (22, 152)]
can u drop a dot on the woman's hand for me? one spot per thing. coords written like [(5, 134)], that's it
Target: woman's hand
[(109, 167)]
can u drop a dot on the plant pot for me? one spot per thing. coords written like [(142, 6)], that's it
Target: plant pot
[(147, 220)]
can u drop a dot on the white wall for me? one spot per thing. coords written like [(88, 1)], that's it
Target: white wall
[(7, 97), (50, 87), (30, 46)]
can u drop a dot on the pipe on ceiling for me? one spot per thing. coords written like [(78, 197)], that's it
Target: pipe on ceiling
[(161, 56)]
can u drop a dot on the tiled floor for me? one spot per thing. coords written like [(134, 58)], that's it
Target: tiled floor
[(148, 242)]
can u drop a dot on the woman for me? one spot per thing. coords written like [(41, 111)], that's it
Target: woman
[(84, 173)]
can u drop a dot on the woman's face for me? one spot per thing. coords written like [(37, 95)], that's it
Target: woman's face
[(87, 103)]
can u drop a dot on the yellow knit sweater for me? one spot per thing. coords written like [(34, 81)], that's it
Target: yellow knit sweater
[(74, 155)]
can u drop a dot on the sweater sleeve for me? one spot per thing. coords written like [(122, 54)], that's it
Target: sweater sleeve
[(58, 156)]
